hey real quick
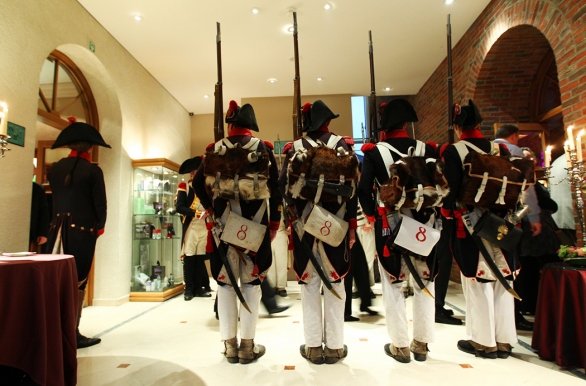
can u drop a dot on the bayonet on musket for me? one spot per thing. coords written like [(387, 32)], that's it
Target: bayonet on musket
[(373, 122), (218, 93), (450, 89), (297, 124)]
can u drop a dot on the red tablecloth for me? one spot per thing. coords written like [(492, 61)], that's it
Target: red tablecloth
[(560, 320), (38, 301)]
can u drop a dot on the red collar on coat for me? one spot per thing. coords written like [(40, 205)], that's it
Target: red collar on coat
[(324, 129), (400, 133), (474, 133), (239, 131), (84, 154)]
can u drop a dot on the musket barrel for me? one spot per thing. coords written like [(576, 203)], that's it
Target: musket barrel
[(219, 109), (372, 100), (450, 87), (297, 125)]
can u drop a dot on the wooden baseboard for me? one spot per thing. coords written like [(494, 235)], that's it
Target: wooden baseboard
[(156, 296)]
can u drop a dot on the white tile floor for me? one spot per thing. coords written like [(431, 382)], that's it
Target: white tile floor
[(178, 343)]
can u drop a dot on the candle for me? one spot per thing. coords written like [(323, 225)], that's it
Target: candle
[(570, 137), (547, 156), (566, 151), (579, 145), (4, 116)]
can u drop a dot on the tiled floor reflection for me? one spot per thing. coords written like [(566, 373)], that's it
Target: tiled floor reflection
[(178, 343)]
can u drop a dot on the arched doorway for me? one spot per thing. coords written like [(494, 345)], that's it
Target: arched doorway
[(63, 92), (518, 83)]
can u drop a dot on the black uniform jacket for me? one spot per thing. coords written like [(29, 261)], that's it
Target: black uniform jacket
[(464, 248), (185, 197), (339, 256), (263, 258), (374, 172), (79, 209)]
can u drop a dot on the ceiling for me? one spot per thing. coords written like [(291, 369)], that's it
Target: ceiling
[(176, 42)]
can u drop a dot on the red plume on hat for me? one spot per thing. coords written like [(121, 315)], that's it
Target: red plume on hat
[(241, 116)]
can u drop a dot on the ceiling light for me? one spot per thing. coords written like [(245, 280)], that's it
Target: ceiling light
[(272, 80), (327, 6), (448, 2), (206, 96), (320, 79), (388, 88), (289, 28), (138, 17), (255, 10)]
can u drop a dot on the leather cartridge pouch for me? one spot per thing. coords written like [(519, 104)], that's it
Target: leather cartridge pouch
[(326, 226), (498, 231), (243, 233)]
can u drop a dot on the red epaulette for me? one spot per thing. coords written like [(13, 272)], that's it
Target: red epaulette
[(210, 146), (182, 186), (432, 144), (287, 147), (348, 140), (269, 144), (367, 147), (443, 149), (502, 145)]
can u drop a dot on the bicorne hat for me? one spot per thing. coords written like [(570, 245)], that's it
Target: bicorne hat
[(396, 112), (241, 116), (315, 115), (467, 116), (190, 165), (79, 131)]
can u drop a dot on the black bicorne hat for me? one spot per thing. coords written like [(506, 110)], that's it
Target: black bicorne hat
[(396, 112), (241, 116), (190, 165), (315, 115), (467, 116), (79, 131)]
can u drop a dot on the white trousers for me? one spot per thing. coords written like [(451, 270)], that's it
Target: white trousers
[(369, 245), (396, 312), (490, 313), (328, 327), (277, 273), (228, 305)]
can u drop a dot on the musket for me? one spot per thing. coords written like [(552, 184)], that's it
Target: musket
[(280, 153), (373, 124), (297, 124), (223, 256), (218, 93), (298, 228), (363, 137), (450, 89)]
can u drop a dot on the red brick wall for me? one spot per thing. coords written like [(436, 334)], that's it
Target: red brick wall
[(517, 29)]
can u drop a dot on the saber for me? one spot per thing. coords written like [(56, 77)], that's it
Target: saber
[(307, 250), (493, 268), (226, 262)]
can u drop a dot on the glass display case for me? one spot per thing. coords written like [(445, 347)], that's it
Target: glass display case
[(156, 271)]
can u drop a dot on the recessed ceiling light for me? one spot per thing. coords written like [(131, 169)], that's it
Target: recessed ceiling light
[(138, 17), (320, 79), (289, 28), (448, 2), (327, 6), (272, 80), (255, 10), (206, 96), (388, 88)]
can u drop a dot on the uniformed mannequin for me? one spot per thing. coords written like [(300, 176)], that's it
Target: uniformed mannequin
[(195, 233), (250, 268), (395, 117), (324, 336), (490, 318), (79, 206)]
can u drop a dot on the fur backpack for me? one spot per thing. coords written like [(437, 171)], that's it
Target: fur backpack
[(415, 181), (237, 172), (336, 168), (493, 181)]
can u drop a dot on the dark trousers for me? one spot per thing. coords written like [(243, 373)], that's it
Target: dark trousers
[(268, 295), (194, 270), (359, 273), (527, 283), (444, 261)]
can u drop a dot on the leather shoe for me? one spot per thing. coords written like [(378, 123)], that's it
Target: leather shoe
[(466, 346), (188, 295), (84, 341), (524, 325), (368, 311), (203, 294), (446, 311), (350, 318), (447, 319), (282, 293), (278, 309)]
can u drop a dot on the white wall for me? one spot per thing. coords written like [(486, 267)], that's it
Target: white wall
[(138, 118)]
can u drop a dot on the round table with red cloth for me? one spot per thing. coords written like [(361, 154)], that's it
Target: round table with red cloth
[(38, 304), (559, 333)]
